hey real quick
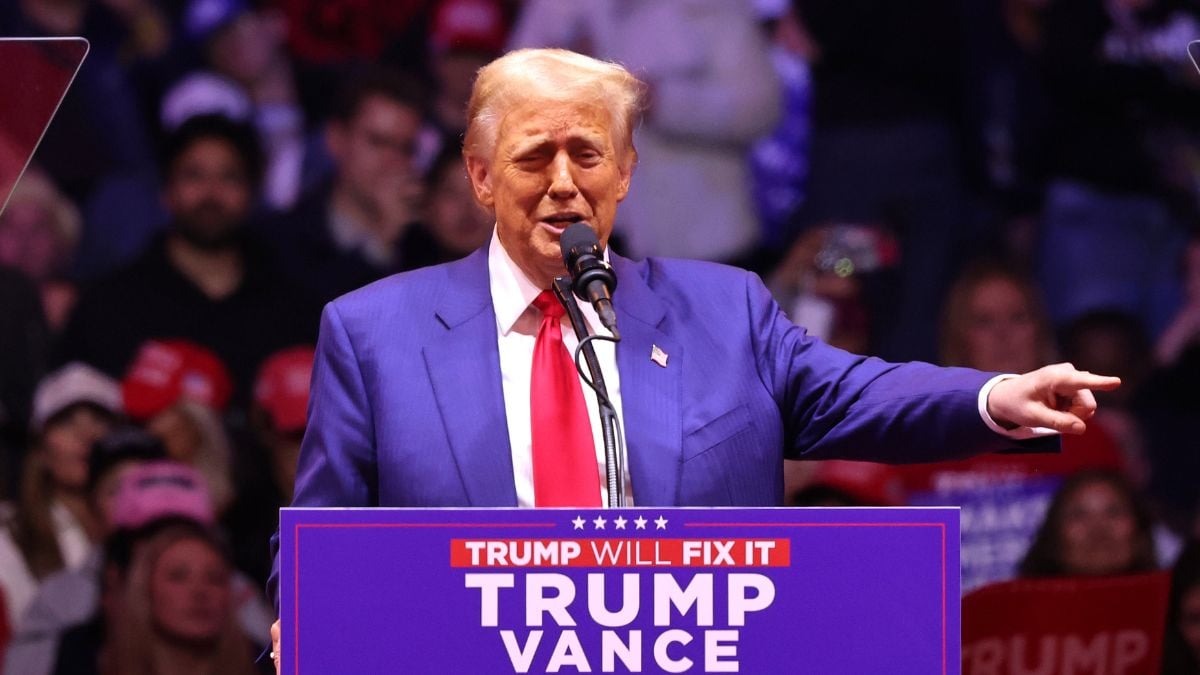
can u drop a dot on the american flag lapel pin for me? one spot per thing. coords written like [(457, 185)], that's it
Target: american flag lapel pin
[(658, 356)]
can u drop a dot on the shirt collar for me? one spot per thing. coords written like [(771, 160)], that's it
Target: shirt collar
[(513, 292)]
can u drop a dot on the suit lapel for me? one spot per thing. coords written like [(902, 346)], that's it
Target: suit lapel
[(651, 394), (464, 368)]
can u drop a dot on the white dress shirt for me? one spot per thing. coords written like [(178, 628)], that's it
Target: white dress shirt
[(517, 323)]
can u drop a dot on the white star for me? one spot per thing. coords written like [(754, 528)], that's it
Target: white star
[(598, 523), (620, 522), (660, 523), (640, 522), (578, 522)]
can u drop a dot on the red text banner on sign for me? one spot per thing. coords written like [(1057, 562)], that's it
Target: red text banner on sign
[(647, 552)]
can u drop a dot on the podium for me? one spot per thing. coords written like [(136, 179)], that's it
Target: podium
[(640, 590)]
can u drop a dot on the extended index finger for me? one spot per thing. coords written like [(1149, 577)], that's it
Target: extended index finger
[(1084, 380)]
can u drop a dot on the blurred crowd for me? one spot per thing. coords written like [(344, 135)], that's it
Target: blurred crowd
[(999, 184)]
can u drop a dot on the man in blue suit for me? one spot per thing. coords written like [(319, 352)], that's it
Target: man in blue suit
[(421, 389)]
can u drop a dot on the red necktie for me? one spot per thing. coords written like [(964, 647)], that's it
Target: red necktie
[(564, 456)]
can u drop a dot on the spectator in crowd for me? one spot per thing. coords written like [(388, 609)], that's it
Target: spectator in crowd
[(1183, 332), (280, 412), (177, 614), (1166, 415), (1111, 341), (54, 525), (713, 93), (250, 76), (1096, 526), (820, 281), (1166, 405), (1006, 113), (1181, 645), (887, 95), (349, 31), (177, 391), (454, 224), (166, 372), (150, 499), (205, 279), (1115, 341), (142, 495), (348, 232), (993, 320), (464, 36), (192, 434), (64, 598), (1119, 81), (39, 230), (277, 418), (23, 358), (779, 162)]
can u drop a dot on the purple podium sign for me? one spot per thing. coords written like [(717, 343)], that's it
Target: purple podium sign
[(674, 590)]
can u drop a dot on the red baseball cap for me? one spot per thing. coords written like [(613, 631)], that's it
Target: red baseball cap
[(871, 483), (281, 388), (477, 25), (167, 371)]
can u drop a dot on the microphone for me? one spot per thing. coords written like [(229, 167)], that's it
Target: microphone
[(592, 278)]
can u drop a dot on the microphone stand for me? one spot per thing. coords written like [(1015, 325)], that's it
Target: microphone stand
[(614, 471)]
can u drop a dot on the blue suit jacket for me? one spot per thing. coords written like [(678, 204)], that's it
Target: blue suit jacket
[(407, 407)]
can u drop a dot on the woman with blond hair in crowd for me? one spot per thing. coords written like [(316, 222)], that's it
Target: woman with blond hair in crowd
[(177, 614), (192, 434), (177, 390), (39, 233), (52, 526), (993, 320)]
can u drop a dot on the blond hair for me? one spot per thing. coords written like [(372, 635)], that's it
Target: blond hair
[(136, 647), (213, 456), (35, 187), (549, 75), (957, 310)]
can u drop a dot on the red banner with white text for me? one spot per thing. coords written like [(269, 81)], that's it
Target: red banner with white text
[(1076, 626)]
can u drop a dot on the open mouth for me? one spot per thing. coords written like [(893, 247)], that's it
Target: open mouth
[(557, 223)]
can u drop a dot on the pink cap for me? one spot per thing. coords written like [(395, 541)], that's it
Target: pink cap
[(162, 489)]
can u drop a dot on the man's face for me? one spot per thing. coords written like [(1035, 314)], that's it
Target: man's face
[(554, 163), (208, 193), (455, 220), (375, 148), (246, 49)]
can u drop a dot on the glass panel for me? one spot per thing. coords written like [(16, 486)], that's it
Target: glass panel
[(34, 76)]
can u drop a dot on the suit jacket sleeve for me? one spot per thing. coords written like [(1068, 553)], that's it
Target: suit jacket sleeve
[(337, 459), (840, 405)]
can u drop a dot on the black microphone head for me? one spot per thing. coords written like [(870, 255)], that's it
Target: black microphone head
[(576, 240)]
